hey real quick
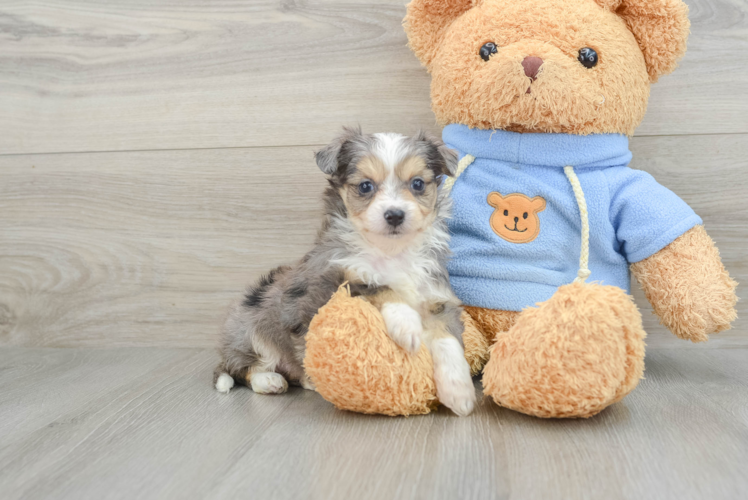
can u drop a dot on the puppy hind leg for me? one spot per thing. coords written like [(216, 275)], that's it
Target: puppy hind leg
[(261, 378), (266, 382), (224, 383), (224, 379)]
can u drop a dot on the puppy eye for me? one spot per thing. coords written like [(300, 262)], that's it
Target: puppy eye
[(365, 187), (588, 57), (524, 215), (417, 184), (487, 50), (506, 212)]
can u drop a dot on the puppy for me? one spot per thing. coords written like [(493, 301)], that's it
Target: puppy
[(384, 233)]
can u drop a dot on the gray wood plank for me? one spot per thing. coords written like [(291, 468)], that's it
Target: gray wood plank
[(148, 248), (161, 431), (709, 173), (77, 75)]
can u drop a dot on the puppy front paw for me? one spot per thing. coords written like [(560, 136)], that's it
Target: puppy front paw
[(456, 392), (454, 385), (403, 325)]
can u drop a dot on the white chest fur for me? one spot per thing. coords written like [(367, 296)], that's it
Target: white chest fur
[(409, 274)]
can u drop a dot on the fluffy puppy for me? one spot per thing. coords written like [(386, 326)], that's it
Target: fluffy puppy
[(384, 233)]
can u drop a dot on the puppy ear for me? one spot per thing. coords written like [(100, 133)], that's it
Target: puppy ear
[(327, 157), (427, 20), (660, 27), (439, 158)]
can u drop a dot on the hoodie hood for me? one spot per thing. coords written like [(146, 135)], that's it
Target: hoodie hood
[(547, 150)]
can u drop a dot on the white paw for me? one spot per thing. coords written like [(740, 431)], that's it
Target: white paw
[(307, 383), (455, 393), (403, 325), (224, 383), (268, 383), (454, 385)]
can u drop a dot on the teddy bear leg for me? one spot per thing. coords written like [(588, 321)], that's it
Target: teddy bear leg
[(688, 287), (572, 356), (481, 327)]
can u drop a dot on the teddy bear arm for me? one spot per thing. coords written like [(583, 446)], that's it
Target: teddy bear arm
[(689, 287)]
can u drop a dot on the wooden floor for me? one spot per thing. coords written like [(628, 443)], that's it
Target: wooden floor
[(156, 156), (145, 423)]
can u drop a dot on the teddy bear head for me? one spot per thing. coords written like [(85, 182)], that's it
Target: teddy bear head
[(570, 66)]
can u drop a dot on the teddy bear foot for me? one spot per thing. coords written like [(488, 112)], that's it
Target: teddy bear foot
[(354, 364), (577, 353)]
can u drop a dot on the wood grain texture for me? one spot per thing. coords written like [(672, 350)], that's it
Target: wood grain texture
[(79, 75), (146, 423), (149, 248), (210, 111)]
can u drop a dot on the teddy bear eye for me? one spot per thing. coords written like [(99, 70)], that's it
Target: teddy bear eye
[(487, 50), (524, 215), (588, 57), (506, 212)]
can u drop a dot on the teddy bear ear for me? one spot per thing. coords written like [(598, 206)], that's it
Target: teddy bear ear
[(660, 26), (427, 20)]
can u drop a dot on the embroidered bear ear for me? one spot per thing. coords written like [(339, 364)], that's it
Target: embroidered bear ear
[(495, 199), (537, 204), (427, 20), (660, 27)]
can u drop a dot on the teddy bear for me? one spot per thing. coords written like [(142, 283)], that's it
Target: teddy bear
[(539, 98)]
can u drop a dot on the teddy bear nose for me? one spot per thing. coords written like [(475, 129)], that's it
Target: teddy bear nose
[(516, 219), (532, 65)]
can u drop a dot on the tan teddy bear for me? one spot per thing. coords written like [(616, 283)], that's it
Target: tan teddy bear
[(539, 98)]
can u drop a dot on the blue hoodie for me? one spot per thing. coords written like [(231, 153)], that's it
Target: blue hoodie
[(497, 265)]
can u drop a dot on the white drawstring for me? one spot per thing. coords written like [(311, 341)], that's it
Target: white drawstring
[(584, 257), (466, 161)]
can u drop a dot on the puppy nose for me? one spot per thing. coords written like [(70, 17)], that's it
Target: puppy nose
[(532, 65), (394, 217)]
